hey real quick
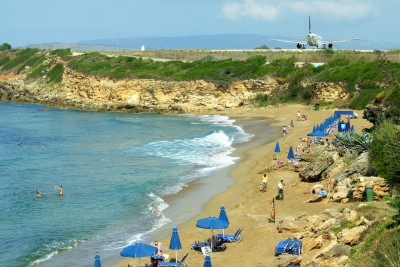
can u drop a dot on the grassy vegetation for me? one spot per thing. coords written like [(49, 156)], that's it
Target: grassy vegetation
[(56, 73), (21, 57), (65, 54), (36, 72)]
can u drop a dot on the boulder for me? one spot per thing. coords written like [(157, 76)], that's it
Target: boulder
[(314, 170), (359, 166), (350, 215), (312, 243), (351, 236), (287, 227), (316, 198), (333, 251), (286, 260)]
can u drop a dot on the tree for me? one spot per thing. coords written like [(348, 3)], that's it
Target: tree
[(5, 46), (262, 47)]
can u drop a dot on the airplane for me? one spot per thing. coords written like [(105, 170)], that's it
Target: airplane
[(313, 39)]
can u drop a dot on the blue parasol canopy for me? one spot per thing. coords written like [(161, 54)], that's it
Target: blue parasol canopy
[(207, 262), (97, 262), (222, 215), (175, 243), (212, 223), (139, 250), (277, 148), (290, 155)]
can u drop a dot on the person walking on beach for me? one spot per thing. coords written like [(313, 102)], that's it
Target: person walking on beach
[(298, 116), (264, 183), (291, 124), (281, 185), (284, 131)]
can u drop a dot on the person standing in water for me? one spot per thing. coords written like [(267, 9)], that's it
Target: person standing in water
[(60, 190)]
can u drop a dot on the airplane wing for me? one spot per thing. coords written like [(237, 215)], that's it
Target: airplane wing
[(341, 41), (289, 41)]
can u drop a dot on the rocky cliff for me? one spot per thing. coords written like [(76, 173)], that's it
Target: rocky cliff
[(78, 90)]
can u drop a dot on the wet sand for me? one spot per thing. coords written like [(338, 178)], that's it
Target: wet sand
[(246, 206)]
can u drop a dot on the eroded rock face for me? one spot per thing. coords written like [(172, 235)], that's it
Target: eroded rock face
[(78, 90), (314, 170)]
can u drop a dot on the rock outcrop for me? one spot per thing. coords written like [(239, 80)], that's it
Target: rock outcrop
[(82, 91)]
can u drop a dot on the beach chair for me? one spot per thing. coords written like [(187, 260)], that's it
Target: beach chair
[(237, 237), (218, 245), (282, 246), (180, 263)]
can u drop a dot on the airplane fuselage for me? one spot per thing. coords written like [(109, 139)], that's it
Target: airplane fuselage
[(313, 40)]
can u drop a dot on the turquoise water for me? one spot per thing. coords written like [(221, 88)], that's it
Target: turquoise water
[(115, 169)]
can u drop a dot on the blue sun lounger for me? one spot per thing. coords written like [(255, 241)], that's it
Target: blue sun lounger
[(180, 263), (237, 237), (289, 246)]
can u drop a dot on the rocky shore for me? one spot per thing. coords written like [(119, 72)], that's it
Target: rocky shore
[(81, 91)]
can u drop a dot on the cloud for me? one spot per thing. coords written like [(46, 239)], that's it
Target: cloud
[(343, 9), (259, 10), (272, 9)]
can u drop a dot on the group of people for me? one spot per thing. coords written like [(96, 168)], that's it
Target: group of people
[(281, 186), (301, 117), (59, 188)]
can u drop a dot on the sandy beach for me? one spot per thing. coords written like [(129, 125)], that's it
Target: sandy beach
[(246, 206)]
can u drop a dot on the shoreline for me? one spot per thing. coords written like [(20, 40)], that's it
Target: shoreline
[(245, 205)]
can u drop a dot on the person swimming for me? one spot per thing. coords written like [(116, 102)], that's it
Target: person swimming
[(38, 194)]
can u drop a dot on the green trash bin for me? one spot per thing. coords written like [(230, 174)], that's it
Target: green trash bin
[(369, 192), (316, 106)]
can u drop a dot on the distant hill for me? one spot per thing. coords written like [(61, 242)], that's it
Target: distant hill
[(221, 41)]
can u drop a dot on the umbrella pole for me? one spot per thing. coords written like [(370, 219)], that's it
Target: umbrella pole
[(176, 256)]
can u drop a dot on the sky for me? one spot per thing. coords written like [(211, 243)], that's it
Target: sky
[(25, 22)]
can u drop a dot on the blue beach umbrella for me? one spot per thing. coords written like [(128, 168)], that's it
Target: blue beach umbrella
[(277, 150), (290, 155), (223, 216), (207, 262), (97, 262), (175, 243), (139, 250), (212, 223)]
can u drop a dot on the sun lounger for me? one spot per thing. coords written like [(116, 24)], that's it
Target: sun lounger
[(180, 263), (237, 237), (218, 245), (289, 246)]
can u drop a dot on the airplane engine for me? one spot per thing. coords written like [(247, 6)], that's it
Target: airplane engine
[(300, 46), (330, 45)]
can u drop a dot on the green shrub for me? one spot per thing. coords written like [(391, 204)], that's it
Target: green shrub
[(5, 46), (36, 72), (56, 73), (62, 53), (385, 151), (32, 62), (365, 97), (21, 57), (4, 60)]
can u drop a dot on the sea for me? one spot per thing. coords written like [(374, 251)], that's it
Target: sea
[(117, 170)]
